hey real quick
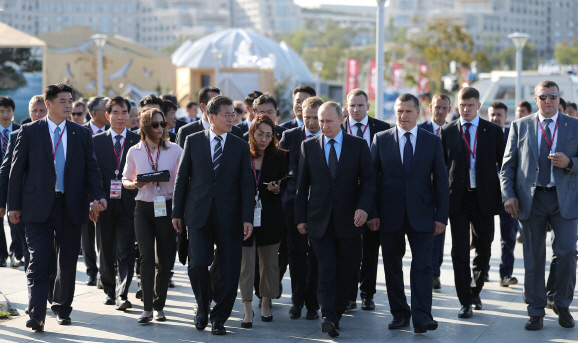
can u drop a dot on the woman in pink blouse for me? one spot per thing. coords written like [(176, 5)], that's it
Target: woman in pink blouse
[(152, 214)]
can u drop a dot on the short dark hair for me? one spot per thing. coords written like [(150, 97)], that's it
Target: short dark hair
[(94, 102), (191, 104), (573, 105), (79, 103), (266, 98), (563, 103), (499, 105), (468, 93), (546, 84), (150, 99), (305, 89), (52, 91), (525, 104), (443, 97), (7, 102), (117, 100), (356, 92), (238, 110), (204, 94), (215, 104), (312, 102), (168, 105), (250, 98), (170, 98), (409, 97)]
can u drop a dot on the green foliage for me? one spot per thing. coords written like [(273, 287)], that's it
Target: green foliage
[(504, 59), (567, 53), (283, 96)]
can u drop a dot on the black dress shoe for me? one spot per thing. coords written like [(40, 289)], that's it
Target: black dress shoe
[(508, 280), (201, 321), (550, 302), (367, 304), (35, 324), (267, 318), (535, 323), (61, 320), (138, 294), (108, 300), (312, 315), (91, 281), (465, 312), (327, 325), (564, 317), (425, 327), (477, 302), (247, 325), (145, 320), (122, 304), (159, 316), (436, 283), (2, 263), (334, 332), (171, 283), (295, 311), (218, 329), (398, 323)]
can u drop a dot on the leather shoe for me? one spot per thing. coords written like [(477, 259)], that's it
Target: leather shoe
[(465, 312), (159, 316), (201, 321), (35, 324), (295, 311), (398, 323), (122, 304), (425, 327), (312, 314), (267, 318), (61, 320), (367, 304), (564, 317), (535, 323), (327, 325), (334, 332), (91, 281), (145, 320), (14, 262), (247, 325), (477, 302), (108, 300), (508, 280), (218, 329), (2, 263), (138, 294), (171, 283), (437, 283)]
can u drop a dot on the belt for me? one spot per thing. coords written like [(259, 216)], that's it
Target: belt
[(546, 189), (58, 194)]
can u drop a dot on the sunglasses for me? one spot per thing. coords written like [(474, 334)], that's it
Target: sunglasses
[(543, 97), (155, 124), (77, 113)]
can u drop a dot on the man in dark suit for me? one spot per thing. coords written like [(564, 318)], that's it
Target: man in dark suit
[(249, 99), (214, 198), (413, 200), (439, 107), (115, 226), (359, 124), (335, 190), (302, 259), (54, 174), (266, 105), (472, 147), (300, 93)]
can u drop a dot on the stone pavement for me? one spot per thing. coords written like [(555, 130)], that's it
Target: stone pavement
[(502, 319)]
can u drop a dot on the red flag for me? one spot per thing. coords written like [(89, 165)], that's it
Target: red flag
[(423, 83), (352, 74), (372, 80), (397, 75)]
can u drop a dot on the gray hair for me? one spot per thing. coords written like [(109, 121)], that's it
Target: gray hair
[(94, 102), (333, 105)]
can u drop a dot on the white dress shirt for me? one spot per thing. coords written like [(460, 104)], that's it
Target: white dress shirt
[(206, 124), (473, 129), (352, 128), (248, 124), (113, 135), (212, 136), (435, 127), (299, 122), (554, 142), (51, 128), (402, 139), (94, 129)]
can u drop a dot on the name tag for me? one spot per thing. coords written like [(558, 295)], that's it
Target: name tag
[(257, 214), (115, 189), (160, 206), (472, 178)]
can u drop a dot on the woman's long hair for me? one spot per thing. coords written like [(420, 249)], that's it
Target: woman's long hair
[(146, 118), (272, 149)]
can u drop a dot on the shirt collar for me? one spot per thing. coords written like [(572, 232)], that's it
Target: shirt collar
[(113, 133), (554, 117), (401, 132), (308, 133), (363, 121), (52, 126), (474, 122), (212, 135), (9, 128), (299, 122), (338, 139), (435, 125), (206, 124)]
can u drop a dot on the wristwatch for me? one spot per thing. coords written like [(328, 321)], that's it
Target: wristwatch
[(570, 165)]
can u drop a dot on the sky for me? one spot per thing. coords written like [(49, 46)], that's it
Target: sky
[(313, 3)]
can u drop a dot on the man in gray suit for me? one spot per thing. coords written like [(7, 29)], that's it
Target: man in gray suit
[(539, 182)]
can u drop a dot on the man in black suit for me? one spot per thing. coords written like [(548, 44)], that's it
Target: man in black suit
[(299, 95), (54, 174), (335, 190), (249, 99), (115, 233), (302, 259), (440, 106), (413, 200), (359, 124), (214, 198), (472, 148), (266, 105)]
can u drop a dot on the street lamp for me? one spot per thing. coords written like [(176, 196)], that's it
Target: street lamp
[(100, 41), (379, 58), (318, 66), (217, 55), (519, 40)]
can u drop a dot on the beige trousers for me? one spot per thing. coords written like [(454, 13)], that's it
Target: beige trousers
[(268, 269)]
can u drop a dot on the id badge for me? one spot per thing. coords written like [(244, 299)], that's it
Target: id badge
[(160, 206), (472, 178), (115, 189), (257, 214)]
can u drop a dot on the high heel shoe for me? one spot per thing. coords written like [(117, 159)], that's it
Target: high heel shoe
[(267, 318), (247, 325)]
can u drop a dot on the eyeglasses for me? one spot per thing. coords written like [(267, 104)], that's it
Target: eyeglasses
[(155, 124), (261, 137), (543, 97), (77, 113), (229, 116)]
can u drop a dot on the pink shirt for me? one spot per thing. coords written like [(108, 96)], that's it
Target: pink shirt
[(137, 162)]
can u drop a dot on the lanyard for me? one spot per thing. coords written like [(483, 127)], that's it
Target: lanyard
[(58, 143), (154, 165), (349, 124), (551, 143), (472, 151), (119, 156), (257, 179)]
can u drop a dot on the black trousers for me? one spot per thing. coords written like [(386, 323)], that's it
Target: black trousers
[(155, 264), (369, 262), (115, 236), (3, 246), (483, 235), (16, 245), (57, 234), (21, 232), (229, 243), (302, 268), (88, 232), (335, 270)]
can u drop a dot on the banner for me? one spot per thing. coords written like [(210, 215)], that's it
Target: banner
[(423, 82), (397, 75), (352, 75), (372, 80)]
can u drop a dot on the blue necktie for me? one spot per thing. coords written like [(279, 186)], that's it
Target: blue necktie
[(59, 161), (217, 153), (407, 152)]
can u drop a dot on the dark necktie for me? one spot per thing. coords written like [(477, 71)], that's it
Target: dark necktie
[(467, 153), (217, 153), (544, 163), (309, 136), (332, 163), (117, 145), (359, 132), (99, 131), (407, 152), (4, 142)]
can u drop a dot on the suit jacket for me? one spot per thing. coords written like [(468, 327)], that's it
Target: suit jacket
[(243, 126), (423, 193), (197, 126), (26, 121), (106, 159), (489, 151), (375, 126), (278, 133), (5, 168), (291, 141), (319, 197), (506, 133), (519, 174), (291, 124), (33, 175), (180, 123), (87, 125)]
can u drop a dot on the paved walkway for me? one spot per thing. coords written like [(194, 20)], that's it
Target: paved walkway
[(502, 319)]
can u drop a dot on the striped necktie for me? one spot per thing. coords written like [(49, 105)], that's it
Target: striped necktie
[(5, 139), (217, 153)]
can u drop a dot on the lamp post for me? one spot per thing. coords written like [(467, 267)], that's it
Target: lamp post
[(318, 66), (519, 40), (100, 41), (217, 55), (379, 58)]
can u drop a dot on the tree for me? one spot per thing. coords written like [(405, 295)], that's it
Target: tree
[(567, 53)]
